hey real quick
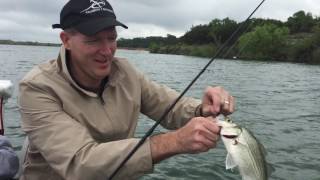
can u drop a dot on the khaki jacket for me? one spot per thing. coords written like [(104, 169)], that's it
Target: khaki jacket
[(74, 135)]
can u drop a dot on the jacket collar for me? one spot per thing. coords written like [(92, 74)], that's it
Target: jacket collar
[(115, 76)]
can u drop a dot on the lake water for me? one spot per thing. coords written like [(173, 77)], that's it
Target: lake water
[(278, 102)]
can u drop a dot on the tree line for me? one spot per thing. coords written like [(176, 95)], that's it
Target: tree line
[(26, 43), (296, 40)]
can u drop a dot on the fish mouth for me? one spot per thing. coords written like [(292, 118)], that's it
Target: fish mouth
[(231, 133), (230, 136)]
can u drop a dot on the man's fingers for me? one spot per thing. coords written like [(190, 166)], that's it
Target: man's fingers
[(210, 129), (217, 100), (232, 104), (212, 126), (203, 144), (228, 105)]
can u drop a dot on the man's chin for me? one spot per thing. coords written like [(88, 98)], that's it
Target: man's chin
[(102, 75)]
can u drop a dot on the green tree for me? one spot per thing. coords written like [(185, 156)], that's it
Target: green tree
[(197, 35), (254, 22), (154, 47), (301, 22), (171, 39), (307, 50), (265, 42), (221, 30)]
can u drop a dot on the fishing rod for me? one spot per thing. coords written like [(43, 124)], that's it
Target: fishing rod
[(218, 54), (1, 117)]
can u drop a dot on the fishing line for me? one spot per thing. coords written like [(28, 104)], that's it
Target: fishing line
[(218, 54)]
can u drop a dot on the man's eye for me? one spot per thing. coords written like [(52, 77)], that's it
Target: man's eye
[(92, 40), (112, 38)]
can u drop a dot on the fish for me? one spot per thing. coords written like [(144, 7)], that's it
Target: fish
[(244, 151)]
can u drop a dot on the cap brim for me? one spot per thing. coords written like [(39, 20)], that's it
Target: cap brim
[(94, 26), (55, 26)]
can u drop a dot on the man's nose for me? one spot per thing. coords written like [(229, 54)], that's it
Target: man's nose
[(106, 48)]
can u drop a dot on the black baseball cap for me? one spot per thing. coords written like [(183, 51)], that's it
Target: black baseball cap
[(87, 16)]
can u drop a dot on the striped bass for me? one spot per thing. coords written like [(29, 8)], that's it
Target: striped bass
[(244, 151)]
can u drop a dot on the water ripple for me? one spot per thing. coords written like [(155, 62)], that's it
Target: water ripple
[(278, 102)]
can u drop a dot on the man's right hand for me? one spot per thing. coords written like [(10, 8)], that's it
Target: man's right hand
[(199, 135)]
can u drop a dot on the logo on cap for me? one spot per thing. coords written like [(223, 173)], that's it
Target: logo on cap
[(96, 5)]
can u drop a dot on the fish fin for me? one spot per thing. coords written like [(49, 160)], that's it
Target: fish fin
[(262, 148), (230, 164)]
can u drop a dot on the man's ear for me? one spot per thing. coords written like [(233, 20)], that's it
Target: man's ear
[(65, 38)]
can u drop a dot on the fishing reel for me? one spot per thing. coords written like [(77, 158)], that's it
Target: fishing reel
[(6, 89)]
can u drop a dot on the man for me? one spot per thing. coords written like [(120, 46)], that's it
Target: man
[(80, 111)]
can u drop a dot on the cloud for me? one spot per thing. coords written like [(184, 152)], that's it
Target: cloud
[(31, 20), (145, 30)]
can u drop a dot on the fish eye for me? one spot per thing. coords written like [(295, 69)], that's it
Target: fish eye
[(228, 119)]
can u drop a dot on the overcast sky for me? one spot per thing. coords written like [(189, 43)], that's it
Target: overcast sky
[(31, 20)]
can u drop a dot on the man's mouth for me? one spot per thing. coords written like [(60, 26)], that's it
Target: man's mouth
[(101, 60)]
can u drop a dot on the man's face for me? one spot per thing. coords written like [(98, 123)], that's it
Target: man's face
[(91, 56)]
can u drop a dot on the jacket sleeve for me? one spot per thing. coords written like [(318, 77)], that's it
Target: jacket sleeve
[(156, 99), (8, 159), (68, 147)]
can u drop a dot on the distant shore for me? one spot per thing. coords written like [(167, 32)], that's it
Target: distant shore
[(136, 49), (27, 43)]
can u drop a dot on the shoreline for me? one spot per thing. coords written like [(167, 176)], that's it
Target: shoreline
[(136, 49), (30, 44), (26, 43)]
